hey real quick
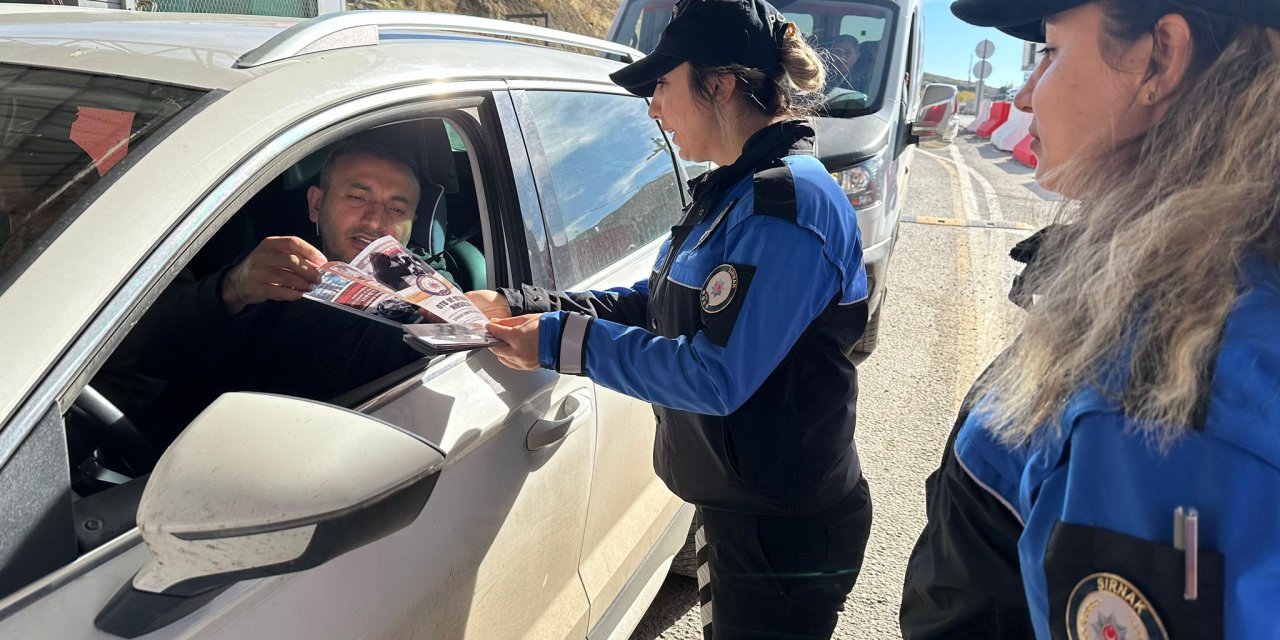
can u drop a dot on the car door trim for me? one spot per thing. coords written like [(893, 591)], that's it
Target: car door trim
[(108, 327), (517, 84), (18, 600)]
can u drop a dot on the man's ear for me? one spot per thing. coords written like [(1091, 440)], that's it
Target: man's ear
[(1172, 49), (315, 198)]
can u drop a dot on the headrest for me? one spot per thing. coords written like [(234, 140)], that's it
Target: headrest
[(439, 165), (428, 228)]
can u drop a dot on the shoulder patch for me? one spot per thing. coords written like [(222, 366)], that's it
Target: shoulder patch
[(719, 289), (775, 193), (722, 296)]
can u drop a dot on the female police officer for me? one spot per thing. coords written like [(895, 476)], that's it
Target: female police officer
[(1119, 473), (741, 338)]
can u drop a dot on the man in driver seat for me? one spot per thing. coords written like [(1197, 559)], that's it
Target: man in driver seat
[(845, 52), (241, 328)]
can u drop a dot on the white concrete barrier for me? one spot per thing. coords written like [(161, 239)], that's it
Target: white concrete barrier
[(1013, 131), (984, 113)]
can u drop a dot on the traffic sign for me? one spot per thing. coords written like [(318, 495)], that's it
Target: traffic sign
[(982, 70), (985, 49)]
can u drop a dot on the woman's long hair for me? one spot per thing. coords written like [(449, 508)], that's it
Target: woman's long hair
[(1139, 289)]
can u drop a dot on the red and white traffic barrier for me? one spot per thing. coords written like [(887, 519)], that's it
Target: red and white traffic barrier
[(1012, 131), (984, 114), (999, 115), (1022, 152)]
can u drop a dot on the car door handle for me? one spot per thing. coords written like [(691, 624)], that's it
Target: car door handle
[(545, 433)]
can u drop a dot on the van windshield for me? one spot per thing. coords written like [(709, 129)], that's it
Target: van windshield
[(854, 39)]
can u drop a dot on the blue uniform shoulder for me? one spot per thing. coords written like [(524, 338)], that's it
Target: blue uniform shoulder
[(774, 193), (799, 191), (1244, 402)]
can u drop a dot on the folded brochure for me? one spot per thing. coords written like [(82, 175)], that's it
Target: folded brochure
[(388, 283)]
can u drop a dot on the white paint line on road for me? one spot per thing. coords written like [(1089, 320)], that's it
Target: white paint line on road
[(968, 174), (966, 312), (987, 252)]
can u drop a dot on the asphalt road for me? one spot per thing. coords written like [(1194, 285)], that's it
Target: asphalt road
[(946, 317)]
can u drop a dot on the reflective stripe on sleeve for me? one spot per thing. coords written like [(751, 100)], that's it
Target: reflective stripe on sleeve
[(573, 344)]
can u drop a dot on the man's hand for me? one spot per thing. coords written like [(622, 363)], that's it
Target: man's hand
[(521, 337), (491, 303), (280, 268)]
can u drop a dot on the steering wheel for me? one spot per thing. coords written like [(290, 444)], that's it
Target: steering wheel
[(117, 434)]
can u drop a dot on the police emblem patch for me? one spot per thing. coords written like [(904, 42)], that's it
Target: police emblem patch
[(718, 291), (1105, 606)]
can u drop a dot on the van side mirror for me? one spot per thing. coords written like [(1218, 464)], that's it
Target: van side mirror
[(262, 485), (932, 121), (936, 114)]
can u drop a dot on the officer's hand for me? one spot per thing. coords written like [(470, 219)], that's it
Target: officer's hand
[(280, 268), (491, 303), (521, 337)]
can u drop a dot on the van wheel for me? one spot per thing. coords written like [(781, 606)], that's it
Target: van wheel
[(871, 335), (686, 561)]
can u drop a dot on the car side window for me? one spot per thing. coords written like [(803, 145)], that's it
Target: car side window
[(610, 184), (305, 348)]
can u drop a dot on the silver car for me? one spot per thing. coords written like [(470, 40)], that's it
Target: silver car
[(450, 498)]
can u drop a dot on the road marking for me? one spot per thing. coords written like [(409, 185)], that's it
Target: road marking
[(966, 312), (961, 222), (989, 194), (981, 256)]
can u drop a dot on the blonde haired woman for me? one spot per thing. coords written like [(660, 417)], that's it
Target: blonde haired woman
[(1118, 473)]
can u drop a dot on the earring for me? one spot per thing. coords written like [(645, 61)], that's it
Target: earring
[(1151, 97)]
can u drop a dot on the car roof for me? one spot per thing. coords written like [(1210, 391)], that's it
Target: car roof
[(202, 50)]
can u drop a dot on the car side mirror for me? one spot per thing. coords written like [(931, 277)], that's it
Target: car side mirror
[(932, 120), (262, 485)]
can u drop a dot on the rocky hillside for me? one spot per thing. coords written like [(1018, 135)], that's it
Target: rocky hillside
[(588, 17)]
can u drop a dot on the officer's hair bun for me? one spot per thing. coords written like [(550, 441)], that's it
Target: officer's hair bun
[(801, 64)]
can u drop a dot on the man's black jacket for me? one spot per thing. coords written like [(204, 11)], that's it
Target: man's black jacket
[(304, 349)]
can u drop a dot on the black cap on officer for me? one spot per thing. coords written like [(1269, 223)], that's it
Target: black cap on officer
[(1024, 19), (716, 32)]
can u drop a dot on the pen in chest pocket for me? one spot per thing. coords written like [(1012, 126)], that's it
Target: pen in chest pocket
[(1186, 538)]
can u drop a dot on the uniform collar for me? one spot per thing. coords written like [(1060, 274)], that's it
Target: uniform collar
[(763, 148)]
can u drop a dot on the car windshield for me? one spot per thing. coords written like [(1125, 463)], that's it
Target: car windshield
[(60, 133), (854, 39)]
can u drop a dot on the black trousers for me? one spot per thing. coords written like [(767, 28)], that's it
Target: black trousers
[(780, 576)]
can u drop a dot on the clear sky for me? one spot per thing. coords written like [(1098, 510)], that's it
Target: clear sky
[(948, 44)]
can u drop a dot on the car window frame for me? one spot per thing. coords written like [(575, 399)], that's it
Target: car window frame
[(87, 353)]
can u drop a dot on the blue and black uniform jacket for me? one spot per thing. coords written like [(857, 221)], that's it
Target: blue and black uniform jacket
[(1094, 500), (742, 336)]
